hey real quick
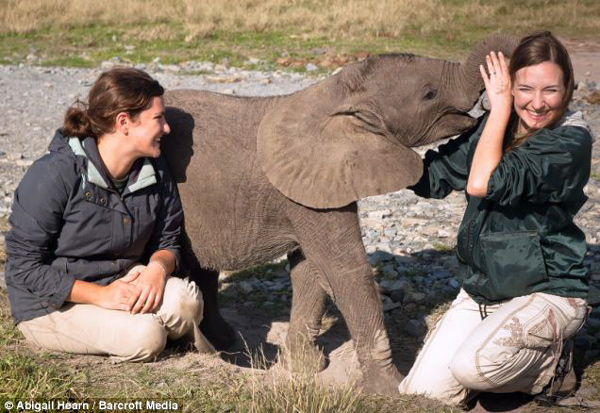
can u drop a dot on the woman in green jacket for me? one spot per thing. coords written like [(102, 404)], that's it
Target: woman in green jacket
[(520, 255)]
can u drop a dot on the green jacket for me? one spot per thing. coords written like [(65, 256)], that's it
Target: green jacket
[(520, 238)]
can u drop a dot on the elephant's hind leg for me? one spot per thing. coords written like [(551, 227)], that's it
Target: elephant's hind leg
[(308, 305)]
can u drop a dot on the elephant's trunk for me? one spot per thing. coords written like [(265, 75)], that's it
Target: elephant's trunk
[(469, 78)]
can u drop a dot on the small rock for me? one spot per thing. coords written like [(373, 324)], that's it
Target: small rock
[(224, 79), (246, 287), (379, 256), (593, 98), (172, 68), (390, 306), (220, 68), (415, 328), (389, 271), (454, 284), (413, 297), (397, 285), (311, 67), (586, 392), (582, 86), (398, 296), (594, 296), (252, 61), (442, 233), (390, 232)]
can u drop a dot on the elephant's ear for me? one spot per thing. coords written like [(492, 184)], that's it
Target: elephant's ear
[(328, 159)]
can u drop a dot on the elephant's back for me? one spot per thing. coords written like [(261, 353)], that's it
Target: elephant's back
[(233, 215)]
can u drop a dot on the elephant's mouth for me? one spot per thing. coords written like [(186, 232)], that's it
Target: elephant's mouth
[(481, 106), (446, 126)]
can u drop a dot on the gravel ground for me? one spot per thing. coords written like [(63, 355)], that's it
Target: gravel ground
[(409, 240)]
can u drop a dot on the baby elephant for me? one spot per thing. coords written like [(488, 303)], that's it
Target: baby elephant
[(261, 177)]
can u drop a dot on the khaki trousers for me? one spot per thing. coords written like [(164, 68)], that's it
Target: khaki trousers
[(89, 329), (515, 348)]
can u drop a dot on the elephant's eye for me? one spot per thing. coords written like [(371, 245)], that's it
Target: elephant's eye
[(430, 93)]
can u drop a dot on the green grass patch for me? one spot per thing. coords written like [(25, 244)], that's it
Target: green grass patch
[(88, 46), (443, 248)]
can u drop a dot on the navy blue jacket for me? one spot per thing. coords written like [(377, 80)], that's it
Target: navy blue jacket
[(68, 222)]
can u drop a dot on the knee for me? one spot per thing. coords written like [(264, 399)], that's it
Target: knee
[(145, 341), (483, 370), (183, 300), (466, 367)]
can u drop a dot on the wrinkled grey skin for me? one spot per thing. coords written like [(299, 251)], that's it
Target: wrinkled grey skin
[(262, 177)]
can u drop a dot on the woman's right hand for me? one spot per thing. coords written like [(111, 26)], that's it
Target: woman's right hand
[(121, 294)]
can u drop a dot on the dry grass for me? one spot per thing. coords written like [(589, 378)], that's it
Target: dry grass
[(281, 390), (337, 18)]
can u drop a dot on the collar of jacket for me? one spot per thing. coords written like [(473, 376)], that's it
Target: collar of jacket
[(142, 173)]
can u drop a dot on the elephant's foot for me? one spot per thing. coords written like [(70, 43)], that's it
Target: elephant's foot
[(381, 381), (302, 355), (379, 374), (218, 331)]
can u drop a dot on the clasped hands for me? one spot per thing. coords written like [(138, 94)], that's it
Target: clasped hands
[(140, 291)]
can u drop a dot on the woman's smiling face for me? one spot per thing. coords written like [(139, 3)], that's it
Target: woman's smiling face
[(148, 128), (538, 95)]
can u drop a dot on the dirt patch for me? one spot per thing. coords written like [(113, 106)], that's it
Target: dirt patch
[(585, 56)]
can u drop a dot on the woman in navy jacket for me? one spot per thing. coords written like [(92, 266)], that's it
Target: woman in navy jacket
[(95, 229)]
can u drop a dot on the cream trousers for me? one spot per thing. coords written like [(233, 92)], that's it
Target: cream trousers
[(89, 329), (515, 348)]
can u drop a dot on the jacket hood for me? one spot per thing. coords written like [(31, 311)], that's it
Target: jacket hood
[(60, 143)]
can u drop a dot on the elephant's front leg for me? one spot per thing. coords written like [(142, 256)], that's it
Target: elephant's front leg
[(331, 240), (308, 305)]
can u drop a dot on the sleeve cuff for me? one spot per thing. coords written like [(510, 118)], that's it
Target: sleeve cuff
[(64, 288)]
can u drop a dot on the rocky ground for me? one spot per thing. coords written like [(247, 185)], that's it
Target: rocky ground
[(409, 240)]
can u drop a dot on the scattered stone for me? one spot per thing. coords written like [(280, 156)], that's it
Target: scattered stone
[(246, 287), (454, 284), (593, 98), (594, 296), (415, 328), (414, 297), (391, 306), (224, 79)]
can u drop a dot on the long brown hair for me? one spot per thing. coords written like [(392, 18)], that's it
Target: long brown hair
[(536, 48), (121, 89)]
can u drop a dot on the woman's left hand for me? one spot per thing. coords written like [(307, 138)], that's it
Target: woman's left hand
[(497, 83), (151, 282)]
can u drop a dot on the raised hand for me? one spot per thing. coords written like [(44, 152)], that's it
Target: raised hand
[(497, 82)]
